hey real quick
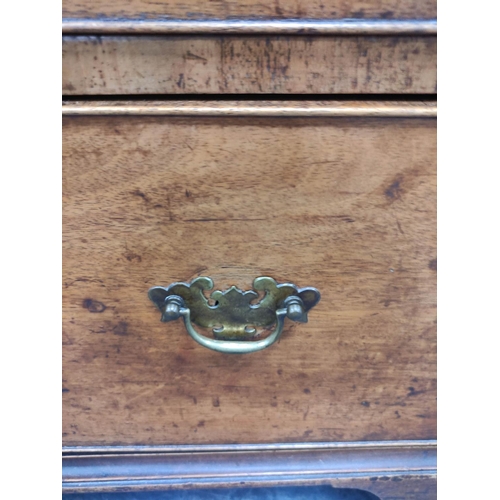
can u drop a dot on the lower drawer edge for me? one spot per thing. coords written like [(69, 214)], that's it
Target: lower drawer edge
[(398, 469)]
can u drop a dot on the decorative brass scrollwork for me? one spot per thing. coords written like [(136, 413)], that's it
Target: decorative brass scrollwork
[(234, 314)]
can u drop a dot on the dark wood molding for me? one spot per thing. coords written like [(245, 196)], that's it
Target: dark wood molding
[(384, 468)]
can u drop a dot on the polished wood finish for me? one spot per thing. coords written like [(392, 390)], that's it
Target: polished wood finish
[(164, 26), (279, 9), (238, 65), (343, 204), (386, 109), (405, 470)]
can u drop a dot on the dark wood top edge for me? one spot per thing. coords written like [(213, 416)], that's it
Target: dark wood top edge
[(398, 109), (112, 26), (428, 443), (85, 473)]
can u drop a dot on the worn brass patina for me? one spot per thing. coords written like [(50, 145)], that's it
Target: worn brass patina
[(234, 315)]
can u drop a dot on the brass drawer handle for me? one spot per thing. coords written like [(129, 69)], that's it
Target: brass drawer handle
[(232, 315)]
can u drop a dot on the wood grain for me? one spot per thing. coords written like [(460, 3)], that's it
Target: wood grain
[(113, 65), (279, 9), (343, 204)]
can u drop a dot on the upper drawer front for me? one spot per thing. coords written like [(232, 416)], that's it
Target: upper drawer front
[(301, 47), (188, 9), (113, 65), (346, 205)]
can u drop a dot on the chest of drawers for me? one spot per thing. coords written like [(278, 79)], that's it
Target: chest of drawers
[(335, 192)]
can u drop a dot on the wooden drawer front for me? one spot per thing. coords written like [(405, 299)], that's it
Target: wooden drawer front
[(347, 205), (110, 65), (317, 9)]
